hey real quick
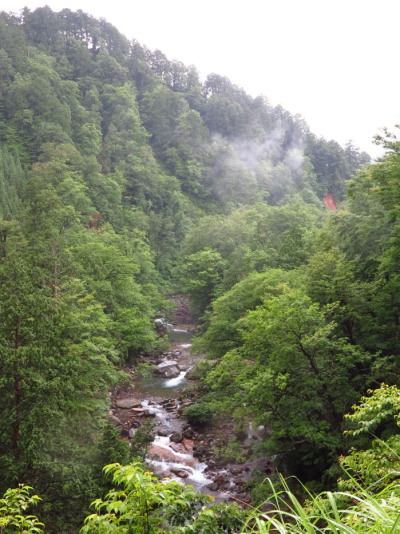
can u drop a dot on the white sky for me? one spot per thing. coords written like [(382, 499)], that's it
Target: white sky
[(333, 61)]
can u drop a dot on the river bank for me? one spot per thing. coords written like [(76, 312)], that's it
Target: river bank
[(191, 454)]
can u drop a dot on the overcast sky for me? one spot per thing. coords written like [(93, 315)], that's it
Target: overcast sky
[(335, 62)]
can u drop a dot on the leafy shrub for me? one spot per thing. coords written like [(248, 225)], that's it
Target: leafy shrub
[(144, 370), (198, 413), (139, 503), (232, 450), (12, 511)]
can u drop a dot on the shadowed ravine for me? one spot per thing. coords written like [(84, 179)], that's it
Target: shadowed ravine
[(179, 451)]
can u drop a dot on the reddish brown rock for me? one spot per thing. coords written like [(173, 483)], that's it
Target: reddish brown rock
[(188, 444)]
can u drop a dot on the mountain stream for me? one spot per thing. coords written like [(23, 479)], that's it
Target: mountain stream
[(180, 451)]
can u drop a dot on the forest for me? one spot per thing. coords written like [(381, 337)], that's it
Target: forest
[(125, 179)]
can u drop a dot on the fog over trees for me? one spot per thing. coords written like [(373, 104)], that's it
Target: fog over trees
[(125, 180)]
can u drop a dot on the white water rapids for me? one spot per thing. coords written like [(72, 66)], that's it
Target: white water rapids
[(172, 453), (167, 458)]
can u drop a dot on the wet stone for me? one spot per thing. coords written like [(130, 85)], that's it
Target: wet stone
[(172, 372), (128, 403), (177, 447), (180, 473), (187, 444), (176, 437), (165, 365)]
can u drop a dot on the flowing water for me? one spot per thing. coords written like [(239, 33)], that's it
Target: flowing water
[(159, 398), (167, 458), (170, 388)]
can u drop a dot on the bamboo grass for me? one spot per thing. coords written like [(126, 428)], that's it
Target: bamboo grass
[(358, 512)]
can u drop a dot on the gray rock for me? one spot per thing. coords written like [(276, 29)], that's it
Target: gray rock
[(189, 433), (176, 437), (114, 420), (164, 366), (139, 410), (126, 404), (200, 451), (172, 372), (144, 412), (131, 433)]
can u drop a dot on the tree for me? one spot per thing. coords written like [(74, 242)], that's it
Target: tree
[(202, 272), (373, 426), (160, 111), (189, 152), (224, 330), (55, 373), (295, 376)]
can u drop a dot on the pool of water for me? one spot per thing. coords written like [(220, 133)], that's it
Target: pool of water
[(156, 387), (167, 388), (179, 336)]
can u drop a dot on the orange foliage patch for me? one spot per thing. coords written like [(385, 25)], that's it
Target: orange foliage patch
[(329, 202)]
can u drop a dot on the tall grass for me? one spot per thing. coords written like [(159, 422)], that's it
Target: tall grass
[(329, 512)]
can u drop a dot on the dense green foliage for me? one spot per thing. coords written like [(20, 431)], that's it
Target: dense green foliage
[(13, 506), (123, 177), (305, 343), (142, 504)]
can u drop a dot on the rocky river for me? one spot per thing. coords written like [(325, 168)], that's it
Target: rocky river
[(191, 455)]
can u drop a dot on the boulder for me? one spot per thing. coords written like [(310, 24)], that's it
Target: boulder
[(164, 366), (176, 437), (184, 447), (172, 372), (197, 370), (192, 374), (170, 405), (220, 463), (200, 451), (177, 447), (127, 403), (187, 444), (144, 412), (189, 433)]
